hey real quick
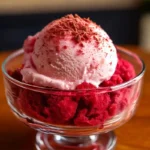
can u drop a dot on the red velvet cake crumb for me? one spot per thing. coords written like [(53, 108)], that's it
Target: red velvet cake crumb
[(124, 72), (92, 108), (62, 108), (87, 106), (85, 85), (15, 74), (33, 104)]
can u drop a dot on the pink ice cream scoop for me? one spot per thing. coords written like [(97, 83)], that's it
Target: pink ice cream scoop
[(68, 52)]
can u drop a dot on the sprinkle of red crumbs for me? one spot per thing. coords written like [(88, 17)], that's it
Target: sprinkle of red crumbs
[(79, 52), (64, 47), (72, 25), (15, 74)]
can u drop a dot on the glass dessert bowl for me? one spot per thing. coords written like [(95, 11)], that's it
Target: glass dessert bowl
[(73, 119)]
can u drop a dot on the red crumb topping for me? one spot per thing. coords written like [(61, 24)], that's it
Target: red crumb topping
[(64, 47), (124, 72), (81, 45), (79, 52), (15, 74), (72, 25)]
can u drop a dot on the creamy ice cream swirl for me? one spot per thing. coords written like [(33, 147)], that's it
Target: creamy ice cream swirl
[(67, 52)]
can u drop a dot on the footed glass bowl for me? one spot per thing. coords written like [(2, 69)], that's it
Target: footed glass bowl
[(81, 119)]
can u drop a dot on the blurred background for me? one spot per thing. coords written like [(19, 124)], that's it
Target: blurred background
[(127, 22)]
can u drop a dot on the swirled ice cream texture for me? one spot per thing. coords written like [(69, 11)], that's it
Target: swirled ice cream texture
[(68, 52)]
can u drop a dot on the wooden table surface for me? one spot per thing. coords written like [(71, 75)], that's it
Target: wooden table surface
[(134, 135)]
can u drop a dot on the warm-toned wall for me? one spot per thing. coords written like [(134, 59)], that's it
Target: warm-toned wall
[(30, 6)]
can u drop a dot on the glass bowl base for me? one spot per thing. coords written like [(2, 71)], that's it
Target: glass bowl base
[(106, 141)]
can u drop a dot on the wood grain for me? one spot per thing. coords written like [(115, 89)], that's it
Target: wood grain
[(134, 135)]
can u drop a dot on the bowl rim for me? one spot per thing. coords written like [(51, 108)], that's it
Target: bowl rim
[(109, 88)]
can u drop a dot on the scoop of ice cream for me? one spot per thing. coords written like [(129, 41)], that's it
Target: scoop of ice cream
[(68, 52)]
